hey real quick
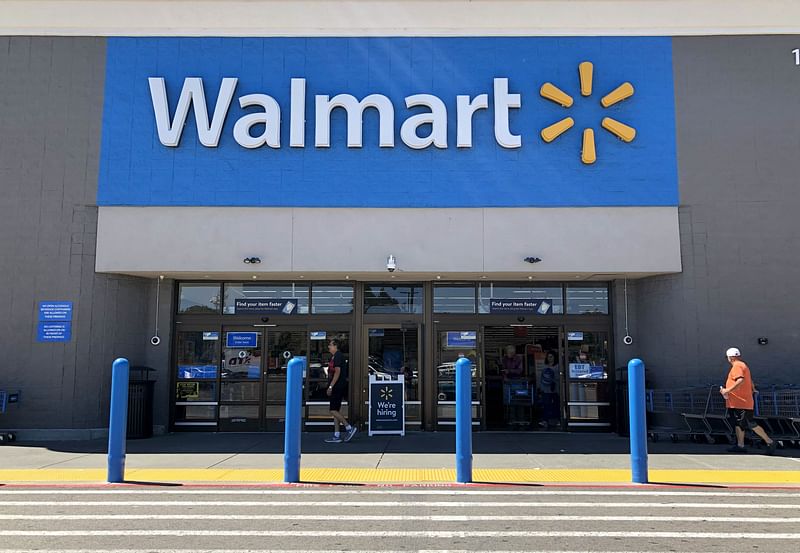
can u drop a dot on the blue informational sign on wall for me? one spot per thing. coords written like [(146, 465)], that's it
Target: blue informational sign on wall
[(438, 122), (55, 311), (241, 339), (54, 332)]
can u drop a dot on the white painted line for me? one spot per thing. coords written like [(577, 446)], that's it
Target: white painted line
[(402, 518), (151, 550), (402, 534), (453, 492), (464, 504)]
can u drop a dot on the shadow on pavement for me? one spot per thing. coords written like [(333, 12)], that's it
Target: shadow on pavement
[(515, 443)]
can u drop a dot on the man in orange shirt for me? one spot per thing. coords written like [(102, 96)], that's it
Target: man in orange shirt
[(738, 394)]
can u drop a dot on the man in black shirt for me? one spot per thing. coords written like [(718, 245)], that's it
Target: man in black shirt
[(337, 389)]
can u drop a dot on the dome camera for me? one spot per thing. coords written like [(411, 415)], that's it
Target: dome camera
[(391, 264), (627, 340), (155, 340)]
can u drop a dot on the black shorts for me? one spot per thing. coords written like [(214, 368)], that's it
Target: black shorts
[(743, 418), (336, 397)]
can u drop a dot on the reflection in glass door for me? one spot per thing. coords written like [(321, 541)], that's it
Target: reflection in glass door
[(452, 345), (589, 393), (197, 366), (240, 380), (282, 345), (394, 350)]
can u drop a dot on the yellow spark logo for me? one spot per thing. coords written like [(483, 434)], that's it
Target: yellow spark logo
[(622, 131), (386, 392)]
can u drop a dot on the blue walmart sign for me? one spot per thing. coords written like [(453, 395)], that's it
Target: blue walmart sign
[(389, 122)]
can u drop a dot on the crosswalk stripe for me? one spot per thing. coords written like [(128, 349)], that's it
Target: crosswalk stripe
[(402, 518), (151, 550), (405, 534), (459, 504)]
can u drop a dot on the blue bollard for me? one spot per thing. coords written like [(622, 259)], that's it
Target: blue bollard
[(638, 420), (294, 419), (118, 421), (463, 420)]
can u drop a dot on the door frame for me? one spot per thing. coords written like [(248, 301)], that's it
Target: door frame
[(363, 364), (609, 381)]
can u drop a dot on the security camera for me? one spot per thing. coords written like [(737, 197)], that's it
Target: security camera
[(391, 264), (253, 260), (627, 340), (155, 340), (532, 259), (264, 319)]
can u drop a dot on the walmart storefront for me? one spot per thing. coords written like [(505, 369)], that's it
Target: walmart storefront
[(419, 199)]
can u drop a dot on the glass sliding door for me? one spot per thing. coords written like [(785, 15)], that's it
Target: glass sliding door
[(240, 379), (282, 344), (394, 350), (316, 381), (195, 399), (451, 346), (588, 386), (522, 376)]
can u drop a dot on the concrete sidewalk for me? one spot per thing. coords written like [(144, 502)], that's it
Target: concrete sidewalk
[(419, 457)]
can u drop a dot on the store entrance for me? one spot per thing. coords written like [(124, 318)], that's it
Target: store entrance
[(392, 350), (522, 369), (253, 376)]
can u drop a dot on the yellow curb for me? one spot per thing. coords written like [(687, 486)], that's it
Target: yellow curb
[(407, 475)]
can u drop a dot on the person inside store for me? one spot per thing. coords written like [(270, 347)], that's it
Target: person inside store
[(548, 388), (511, 364)]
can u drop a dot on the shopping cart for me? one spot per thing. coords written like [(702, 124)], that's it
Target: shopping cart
[(777, 409), (713, 422), (5, 399), (664, 411), (518, 402)]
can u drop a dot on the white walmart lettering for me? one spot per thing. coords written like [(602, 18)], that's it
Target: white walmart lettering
[(170, 128)]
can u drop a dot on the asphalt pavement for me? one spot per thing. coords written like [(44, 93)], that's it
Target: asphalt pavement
[(351, 518)]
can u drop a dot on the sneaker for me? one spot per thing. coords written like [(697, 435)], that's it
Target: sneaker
[(737, 449), (771, 448), (333, 440), (352, 432)]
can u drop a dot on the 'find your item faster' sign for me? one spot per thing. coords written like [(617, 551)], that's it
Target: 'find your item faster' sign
[(386, 406)]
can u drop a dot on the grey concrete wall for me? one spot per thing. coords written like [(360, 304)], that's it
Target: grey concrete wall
[(738, 132), (51, 101)]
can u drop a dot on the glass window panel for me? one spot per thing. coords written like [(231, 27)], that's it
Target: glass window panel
[(331, 299), (453, 345), (587, 355), (395, 351), (380, 298), (198, 355), (318, 357), (587, 299), (242, 363), (454, 299), (266, 291), (195, 412), (589, 413), (198, 298), (240, 391), (553, 294), (195, 391), (237, 411)]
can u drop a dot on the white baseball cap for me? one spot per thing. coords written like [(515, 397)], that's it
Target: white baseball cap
[(733, 352)]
